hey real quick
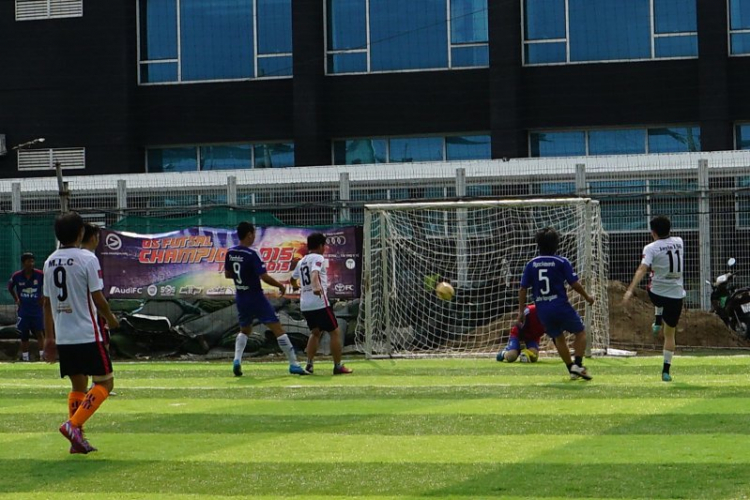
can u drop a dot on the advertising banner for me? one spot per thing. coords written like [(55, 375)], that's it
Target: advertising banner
[(189, 264)]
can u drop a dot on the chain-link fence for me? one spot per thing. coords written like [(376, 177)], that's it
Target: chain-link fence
[(707, 195)]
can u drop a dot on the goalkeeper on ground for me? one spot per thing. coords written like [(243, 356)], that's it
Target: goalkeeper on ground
[(529, 332)]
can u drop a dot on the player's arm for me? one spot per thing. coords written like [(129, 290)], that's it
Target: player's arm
[(317, 287), (103, 307), (50, 347), (12, 291), (294, 280), (268, 279), (521, 303), (637, 277), (227, 269), (582, 292)]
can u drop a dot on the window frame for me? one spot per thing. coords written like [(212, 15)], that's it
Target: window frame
[(653, 36), (368, 44), (387, 139), (179, 81), (730, 32)]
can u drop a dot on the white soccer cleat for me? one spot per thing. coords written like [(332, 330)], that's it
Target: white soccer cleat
[(580, 371)]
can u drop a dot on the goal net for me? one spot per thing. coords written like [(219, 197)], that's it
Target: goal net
[(481, 248)]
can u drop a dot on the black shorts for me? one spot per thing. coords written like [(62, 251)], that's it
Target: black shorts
[(672, 308), (84, 359), (321, 319)]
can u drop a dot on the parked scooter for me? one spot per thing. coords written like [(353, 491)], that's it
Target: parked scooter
[(731, 304)]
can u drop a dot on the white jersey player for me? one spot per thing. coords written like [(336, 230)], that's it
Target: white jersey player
[(73, 294), (312, 272), (665, 258)]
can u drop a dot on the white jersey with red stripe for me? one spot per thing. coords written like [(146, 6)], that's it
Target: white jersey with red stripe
[(71, 275), (308, 300)]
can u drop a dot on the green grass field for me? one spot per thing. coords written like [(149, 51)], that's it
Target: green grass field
[(405, 429)]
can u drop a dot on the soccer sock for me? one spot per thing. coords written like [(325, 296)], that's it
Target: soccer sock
[(579, 360), (41, 354), (309, 361), (94, 398), (74, 401), (286, 346), (667, 361), (239, 346), (25, 356)]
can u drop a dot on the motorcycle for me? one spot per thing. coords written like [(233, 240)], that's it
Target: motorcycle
[(731, 304)]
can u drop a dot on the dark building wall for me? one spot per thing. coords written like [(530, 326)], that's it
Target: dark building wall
[(74, 81)]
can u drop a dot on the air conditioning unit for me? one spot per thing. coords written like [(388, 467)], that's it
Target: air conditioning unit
[(3, 149)]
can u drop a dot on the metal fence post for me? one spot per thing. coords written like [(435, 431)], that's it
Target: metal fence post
[(344, 197), (232, 199), (581, 188), (15, 246), (462, 219), (122, 198), (704, 234)]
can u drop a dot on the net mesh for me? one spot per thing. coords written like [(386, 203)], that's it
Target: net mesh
[(481, 248)]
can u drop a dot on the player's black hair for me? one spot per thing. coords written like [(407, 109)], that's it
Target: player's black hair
[(26, 256), (661, 225), (68, 227), (547, 240), (244, 228), (89, 231), (316, 240)]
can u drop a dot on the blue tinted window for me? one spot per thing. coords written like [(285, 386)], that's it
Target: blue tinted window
[(676, 46), (674, 185), (558, 144), (274, 155), (465, 57), (216, 39), (743, 136), (172, 159), (274, 26), (347, 24), (470, 147), (616, 187), (544, 19), (157, 73), (603, 30), (541, 53), (468, 21), (556, 188), (683, 211), (625, 215), (617, 142), (360, 151), (408, 35), (674, 140), (739, 14), (226, 157), (483, 190), (675, 16), (274, 66), (350, 62), (741, 43), (410, 149), (158, 29)]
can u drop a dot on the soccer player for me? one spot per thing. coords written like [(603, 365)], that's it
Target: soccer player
[(25, 286), (546, 275), (89, 242), (73, 296), (664, 257), (530, 332), (312, 270), (244, 265)]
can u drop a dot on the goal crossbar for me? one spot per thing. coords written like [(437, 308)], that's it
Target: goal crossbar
[(480, 204)]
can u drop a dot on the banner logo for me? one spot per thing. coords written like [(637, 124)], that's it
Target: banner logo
[(336, 240), (113, 242)]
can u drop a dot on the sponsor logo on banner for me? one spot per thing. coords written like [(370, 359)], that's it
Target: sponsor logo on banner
[(340, 287), (113, 242), (220, 290), (131, 290), (191, 290), (167, 291), (337, 240), (351, 263), (152, 290)]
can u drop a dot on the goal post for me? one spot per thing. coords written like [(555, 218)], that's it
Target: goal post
[(481, 248)]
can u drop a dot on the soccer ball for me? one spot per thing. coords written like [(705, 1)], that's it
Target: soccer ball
[(445, 291)]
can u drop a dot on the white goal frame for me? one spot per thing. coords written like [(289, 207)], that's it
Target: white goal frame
[(590, 262)]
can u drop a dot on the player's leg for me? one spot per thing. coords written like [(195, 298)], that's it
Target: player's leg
[(240, 342), (267, 316), (658, 321), (39, 334), (23, 333), (672, 313), (327, 322), (312, 348)]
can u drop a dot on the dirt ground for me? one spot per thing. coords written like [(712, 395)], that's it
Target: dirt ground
[(630, 326)]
